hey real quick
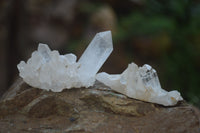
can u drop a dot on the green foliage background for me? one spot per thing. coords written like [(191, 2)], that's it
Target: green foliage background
[(179, 20)]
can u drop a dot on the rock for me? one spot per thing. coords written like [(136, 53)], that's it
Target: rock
[(46, 106), (97, 109)]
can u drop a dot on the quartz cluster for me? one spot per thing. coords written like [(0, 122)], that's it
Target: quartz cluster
[(141, 83), (49, 70)]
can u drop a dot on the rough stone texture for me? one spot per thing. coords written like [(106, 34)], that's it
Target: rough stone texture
[(97, 109)]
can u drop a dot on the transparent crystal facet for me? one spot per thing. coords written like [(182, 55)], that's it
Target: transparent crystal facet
[(149, 76), (95, 55)]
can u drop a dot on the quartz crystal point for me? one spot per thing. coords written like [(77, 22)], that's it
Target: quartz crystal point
[(49, 70), (141, 83), (95, 55)]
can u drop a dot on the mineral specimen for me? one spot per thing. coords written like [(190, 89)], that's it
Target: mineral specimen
[(140, 83), (49, 70), (95, 55)]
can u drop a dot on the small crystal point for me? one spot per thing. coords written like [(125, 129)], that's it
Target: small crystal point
[(44, 50), (95, 55), (149, 76)]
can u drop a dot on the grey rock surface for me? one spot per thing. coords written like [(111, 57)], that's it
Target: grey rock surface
[(97, 109)]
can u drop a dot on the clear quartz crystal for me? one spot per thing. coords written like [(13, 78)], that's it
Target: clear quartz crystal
[(45, 52), (149, 76), (95, 55), (141, 83), (49, 70)]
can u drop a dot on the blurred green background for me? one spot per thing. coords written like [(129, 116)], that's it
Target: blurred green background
[(163, 34)]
